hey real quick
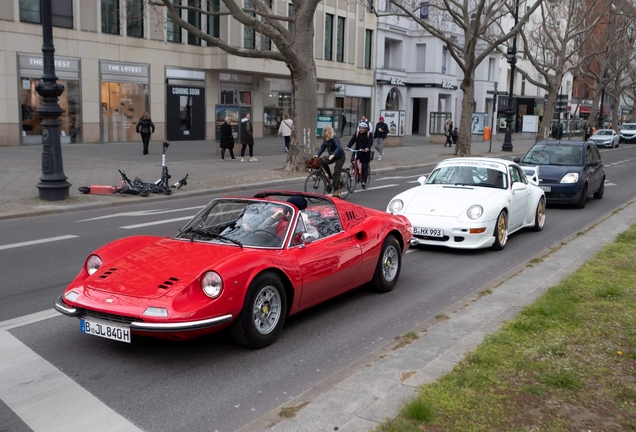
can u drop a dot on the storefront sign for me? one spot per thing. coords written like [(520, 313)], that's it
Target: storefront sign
[(185, 113), (323, 122), (185, 91), (124, 69), (396, 81), (37, 62)]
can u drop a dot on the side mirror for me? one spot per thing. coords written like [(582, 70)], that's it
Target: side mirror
[(308, 238), (517, 186), (517, 160), (421, 180), (593, 163)]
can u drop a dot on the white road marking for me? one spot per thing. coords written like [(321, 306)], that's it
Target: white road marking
[(157, 222), (142, 213), (401, 177), (375, 187), (35, 242)]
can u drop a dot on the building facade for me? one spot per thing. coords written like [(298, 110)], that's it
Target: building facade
[(416, 73), (120, 58)]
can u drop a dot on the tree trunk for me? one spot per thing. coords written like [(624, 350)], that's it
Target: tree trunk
[(303, 138), (615, 118), (466, 118), (548, 113), (594, 111)]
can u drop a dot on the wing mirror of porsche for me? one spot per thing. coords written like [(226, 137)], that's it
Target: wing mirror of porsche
[(518, 186), (421, 180)]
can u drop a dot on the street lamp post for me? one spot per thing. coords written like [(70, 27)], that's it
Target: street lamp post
[(53, 185), (510, 112)]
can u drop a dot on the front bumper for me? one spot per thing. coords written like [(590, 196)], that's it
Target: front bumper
[(563, 193), (136, 324), (603, 144), (456, 234), (628, 138)]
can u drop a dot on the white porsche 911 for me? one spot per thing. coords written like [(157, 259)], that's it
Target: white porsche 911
[(471, 203)]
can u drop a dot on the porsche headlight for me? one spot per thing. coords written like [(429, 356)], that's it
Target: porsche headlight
[(475, 212), (396, 205), (212, 284), (93, 263), (570, 178)]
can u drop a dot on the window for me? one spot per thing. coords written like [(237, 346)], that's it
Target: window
[(62, 13), (30, 11), (421, 58), (329, 37), (214, 21), (194, 18), (368, 45), (174, 31), (266, 43), (135, 18), (110, 16), (523, 86), (491, 69), (444, 60), (249, 36), (340, 40), (291, 12)]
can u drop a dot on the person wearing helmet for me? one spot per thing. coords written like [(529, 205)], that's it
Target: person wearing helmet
[(363, 141)]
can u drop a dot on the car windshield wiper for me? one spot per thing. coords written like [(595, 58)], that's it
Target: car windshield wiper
[(490, 185), (205, 233)]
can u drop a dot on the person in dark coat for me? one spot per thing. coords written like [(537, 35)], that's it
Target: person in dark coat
[(227, 139), (559, 131), (145, 127), (381, 131), (363, 140), (331, 143), (247, 138)]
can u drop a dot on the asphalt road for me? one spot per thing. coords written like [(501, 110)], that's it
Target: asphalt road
[(211, 384)]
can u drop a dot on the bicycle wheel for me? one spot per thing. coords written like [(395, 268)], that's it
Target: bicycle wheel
[(352, 180), (345, 184), (315, 183)]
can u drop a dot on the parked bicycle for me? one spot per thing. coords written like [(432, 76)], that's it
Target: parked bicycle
[(318, 182), (355, 172)]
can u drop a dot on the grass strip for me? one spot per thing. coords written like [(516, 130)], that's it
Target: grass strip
[(566, 363)]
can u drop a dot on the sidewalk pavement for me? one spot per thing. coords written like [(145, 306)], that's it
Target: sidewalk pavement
[(97, 164)]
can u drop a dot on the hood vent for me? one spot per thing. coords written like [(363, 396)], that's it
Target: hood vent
[(107, 273), (350, 215), (167, 284)]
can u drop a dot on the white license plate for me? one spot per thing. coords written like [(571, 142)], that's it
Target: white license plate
[(428, 232), (101, 329), (546, 188)]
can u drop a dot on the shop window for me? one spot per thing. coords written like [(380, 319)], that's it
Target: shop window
[(392, 100), (214, 21), (122, 106), (31, 102), (328, 37), (368, 45), (135, 18), (275, 105), (110, 16), (194, 19), (234, 97), (173, 30), (340, 40)]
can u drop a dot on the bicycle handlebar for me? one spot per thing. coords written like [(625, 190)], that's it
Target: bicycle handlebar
[(356, 151)]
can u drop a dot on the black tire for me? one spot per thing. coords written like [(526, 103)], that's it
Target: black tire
[(84, 189), (345, 184), (539, 216), (583, 198), (144, 192), (315, 183), (601, 190), (352, 182), (387, 272), (167, 191), (501, 231), (263, 315)]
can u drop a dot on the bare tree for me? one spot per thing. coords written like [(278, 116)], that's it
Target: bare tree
[(293, 37), (470, 30)]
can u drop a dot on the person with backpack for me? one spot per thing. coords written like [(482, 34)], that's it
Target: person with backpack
[(145, 127), (246, 137), (363, 140), (331, 143), (381, 131), (285, 129)]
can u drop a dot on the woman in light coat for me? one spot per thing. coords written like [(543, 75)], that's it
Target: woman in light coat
[(285, 129)]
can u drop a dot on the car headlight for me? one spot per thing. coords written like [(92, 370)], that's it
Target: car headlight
[(156, 312), (475, 212), (212, 284), (71, 296), (93, 263), (396, 205), (570, 178)]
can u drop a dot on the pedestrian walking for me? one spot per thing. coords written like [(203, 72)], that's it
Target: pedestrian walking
[(285, 129), (227, 139), (363, 140), (559, 131), (331, 143), (448, 128), (364, 119), (455, 135), (381, 130), (145, 127), (343, 124), (247, 138), (587, 131)]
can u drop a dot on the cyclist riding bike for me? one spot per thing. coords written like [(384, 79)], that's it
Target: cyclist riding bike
[(363, 139), (336, 156)]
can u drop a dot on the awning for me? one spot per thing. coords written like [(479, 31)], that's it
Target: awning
[(584, 110)]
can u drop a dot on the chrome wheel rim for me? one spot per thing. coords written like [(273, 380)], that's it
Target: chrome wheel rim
[(541, 213), (502, 229), (390, 261), (267, 310)]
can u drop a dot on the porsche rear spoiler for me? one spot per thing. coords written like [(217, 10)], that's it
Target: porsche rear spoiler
[(532, 173)]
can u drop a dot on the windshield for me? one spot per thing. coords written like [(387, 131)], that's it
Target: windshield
[(603, 132), (240, 223), (551, 154), (631, 126), (481, 174)]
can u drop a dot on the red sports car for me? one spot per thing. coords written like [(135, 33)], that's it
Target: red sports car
[(242, 263)]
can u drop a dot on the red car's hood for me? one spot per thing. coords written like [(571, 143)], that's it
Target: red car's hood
[(157, 268)]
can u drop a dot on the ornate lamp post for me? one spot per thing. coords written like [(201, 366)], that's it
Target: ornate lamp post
[(53, 185), (510, 112)]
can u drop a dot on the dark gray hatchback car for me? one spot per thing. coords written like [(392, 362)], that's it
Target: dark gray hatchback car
[(569, 171)]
